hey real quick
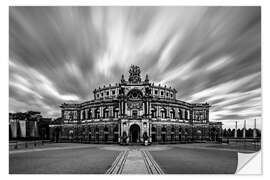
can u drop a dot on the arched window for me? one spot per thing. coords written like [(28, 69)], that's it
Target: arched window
[(105, 113), (106, 133), (106, 129), (154, 131), (89, 114), (172, 114), (180, 133), (97, 130), (163, 130), (163, 134), (172, 133), (89, 136), (115, 112), (172, 129), (115, 134), (180, 114), (97, 133), (163, 113), (154, 113), (97, 113), (83, 114), (186, 115)]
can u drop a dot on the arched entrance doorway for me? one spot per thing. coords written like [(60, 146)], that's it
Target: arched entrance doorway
[(134, 132)]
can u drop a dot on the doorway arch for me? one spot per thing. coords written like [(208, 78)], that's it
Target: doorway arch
[(134, 132)]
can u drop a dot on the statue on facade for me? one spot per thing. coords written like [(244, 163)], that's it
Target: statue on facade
[(146, 79), (123, 79), (134, 74)]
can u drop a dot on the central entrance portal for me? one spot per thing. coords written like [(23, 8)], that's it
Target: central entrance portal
[(134, 132)]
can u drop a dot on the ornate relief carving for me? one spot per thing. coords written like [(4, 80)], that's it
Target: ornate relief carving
[(134, 105), (134, 74)]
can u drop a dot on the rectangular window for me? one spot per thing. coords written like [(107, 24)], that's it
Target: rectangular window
[(113, 92), (156, 91), (107, 93), (167, 94), (161, 93), (101, 94), (97, 95)]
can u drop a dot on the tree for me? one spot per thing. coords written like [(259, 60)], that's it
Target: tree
[(225, 133)]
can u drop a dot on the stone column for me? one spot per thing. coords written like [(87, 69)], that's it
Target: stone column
[(158, 111), (168, 112), (207, 115), (81, 115), (176, 114), (110, 111), (122, 108), (125, 105), (94, 113), (86, 113), (150, 107), (100, 112)]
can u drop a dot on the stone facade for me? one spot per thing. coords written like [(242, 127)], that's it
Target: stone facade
[(134, 110)]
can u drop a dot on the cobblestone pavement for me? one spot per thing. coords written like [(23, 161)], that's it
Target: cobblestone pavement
[(70, 159), (116, 159), (185, 160)]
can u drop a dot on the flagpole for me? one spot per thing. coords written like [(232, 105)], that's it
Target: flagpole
[(235, 132), (254, 130), (244, 130)]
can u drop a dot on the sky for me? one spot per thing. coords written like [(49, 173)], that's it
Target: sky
[(208, 54)]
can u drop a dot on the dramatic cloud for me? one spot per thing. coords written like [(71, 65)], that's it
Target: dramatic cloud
[(209, 54)]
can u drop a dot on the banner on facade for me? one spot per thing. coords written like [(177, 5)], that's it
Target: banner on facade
[(22, 128), (13, 126), (33, 129)]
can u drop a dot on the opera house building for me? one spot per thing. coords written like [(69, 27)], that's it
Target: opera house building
[(135, 110)]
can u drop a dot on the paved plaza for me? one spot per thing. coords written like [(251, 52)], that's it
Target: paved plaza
[(70, 158)]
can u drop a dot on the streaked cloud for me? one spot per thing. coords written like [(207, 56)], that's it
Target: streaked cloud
[(213, 54)]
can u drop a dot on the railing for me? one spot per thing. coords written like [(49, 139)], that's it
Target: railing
[(241, 140)]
